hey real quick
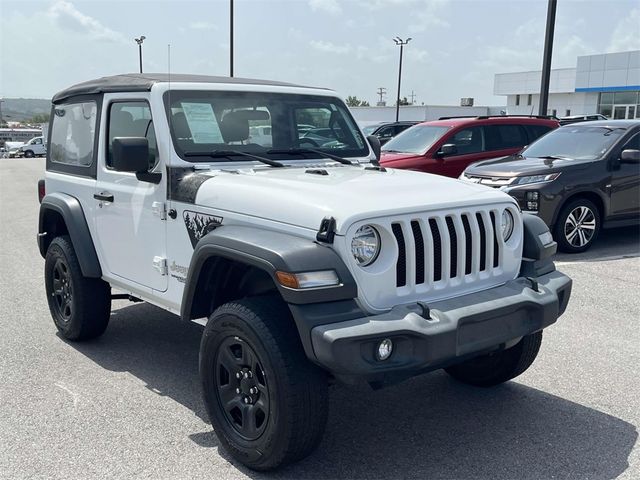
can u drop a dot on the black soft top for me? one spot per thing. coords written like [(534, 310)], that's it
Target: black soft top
[(142, 82)]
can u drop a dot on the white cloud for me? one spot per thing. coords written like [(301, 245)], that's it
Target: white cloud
[(203, 26), (69, 18), (328, 6), (626, 35), (330, 47)]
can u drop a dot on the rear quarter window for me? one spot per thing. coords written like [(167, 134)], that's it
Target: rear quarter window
[(73, 134)]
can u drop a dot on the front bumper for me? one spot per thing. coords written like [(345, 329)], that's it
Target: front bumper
[(456, 329)]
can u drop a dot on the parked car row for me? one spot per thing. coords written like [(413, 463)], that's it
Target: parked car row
[(578, 178)]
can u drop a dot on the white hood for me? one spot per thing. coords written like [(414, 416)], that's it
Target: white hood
[(348, 194)]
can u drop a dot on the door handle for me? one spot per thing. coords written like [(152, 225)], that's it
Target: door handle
[(103, 196)]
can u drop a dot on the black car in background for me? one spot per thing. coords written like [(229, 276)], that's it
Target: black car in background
[(386, 131), (578, 178), (581, 118)]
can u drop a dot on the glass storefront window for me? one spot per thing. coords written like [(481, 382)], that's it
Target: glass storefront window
[(625, 98), (606, 98), (606, 110)]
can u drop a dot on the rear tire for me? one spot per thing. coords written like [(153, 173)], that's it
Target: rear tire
[(267, 402), (80, 306), (577, 226), (498, 367)]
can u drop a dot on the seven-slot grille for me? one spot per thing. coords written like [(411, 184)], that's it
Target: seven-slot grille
[(442, 248)]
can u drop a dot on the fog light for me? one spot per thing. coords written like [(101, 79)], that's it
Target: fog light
[(385, 347), (532, 201)]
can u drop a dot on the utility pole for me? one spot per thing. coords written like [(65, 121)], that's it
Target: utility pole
[(413, 97), (1, 102), (401, 43), (139, 42), (546, 60), (231, 38), (382, 92)]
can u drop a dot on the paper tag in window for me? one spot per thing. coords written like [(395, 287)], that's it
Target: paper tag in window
[(202, 123)]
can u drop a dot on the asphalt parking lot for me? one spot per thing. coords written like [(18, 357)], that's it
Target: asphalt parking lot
[(128, 405)]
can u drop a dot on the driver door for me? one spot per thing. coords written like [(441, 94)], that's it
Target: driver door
[(130, 212)]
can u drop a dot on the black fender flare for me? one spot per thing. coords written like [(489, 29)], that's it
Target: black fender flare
[(70, 210), (270, 251), (275, 251)]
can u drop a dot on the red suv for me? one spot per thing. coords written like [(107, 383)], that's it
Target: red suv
[(447, 146)]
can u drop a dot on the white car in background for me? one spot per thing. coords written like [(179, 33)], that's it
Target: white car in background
[(34, 147)]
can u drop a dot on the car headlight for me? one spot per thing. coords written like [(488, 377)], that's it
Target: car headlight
[(536, 179), (365, 245), (506, 225)]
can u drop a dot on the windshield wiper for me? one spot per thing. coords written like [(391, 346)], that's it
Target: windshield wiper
[(231, 153), (294, 151)]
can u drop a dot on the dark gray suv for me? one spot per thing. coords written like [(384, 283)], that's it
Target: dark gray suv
[(578, 178)]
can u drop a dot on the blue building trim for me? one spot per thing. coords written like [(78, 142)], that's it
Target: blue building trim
[(608, 89)]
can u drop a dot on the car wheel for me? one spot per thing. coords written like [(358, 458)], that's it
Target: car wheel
[(578, 226), (498, 367), (266, 401), (28, 154), (80, 306)]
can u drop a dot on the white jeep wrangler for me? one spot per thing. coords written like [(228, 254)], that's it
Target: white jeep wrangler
[(303, 259)]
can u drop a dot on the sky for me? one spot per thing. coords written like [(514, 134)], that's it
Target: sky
[(456, 49)]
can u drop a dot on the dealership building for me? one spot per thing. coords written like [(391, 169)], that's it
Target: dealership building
[(608, 84)]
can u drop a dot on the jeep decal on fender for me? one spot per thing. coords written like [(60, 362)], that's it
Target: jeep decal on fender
[(199, 224)]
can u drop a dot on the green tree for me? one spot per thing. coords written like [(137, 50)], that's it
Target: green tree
[(353, 101), (40, 118)]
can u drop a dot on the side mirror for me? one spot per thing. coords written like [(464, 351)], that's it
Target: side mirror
[(630, 156), (448, 149), (375, 146), (130, 154)]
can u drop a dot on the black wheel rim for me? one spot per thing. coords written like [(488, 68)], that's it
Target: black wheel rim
[(62, 290), (580, 226), (241, 388)]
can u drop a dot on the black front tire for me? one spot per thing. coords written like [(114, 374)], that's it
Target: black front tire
[(574, 232), (28, 154), (80, 306), (252, 345), (498, 367)]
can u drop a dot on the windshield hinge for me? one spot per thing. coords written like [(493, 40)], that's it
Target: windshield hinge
[(327, 230)]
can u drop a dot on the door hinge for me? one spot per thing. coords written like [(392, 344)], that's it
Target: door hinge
[(160, 264), (159, 209)]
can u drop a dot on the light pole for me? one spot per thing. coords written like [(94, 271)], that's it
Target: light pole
[(139, 42), (401, 43), (546, 59), (231, 38)]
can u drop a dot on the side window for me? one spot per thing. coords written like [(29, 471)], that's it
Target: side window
[(633, 143), (73, 134), (37, 141), (469, 140), (386, 132), (500, 137), (536, 131), (132, 119)]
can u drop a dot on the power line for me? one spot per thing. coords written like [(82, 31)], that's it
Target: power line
[(382, 92)]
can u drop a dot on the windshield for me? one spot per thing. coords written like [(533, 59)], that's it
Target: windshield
[(266, 124), (579, 143), (417, 139)]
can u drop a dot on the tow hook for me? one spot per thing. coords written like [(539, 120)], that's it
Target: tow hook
[(534, 284), (425, 310)]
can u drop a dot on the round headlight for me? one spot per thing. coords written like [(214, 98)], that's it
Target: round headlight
[(365, 245), (506, 225)]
